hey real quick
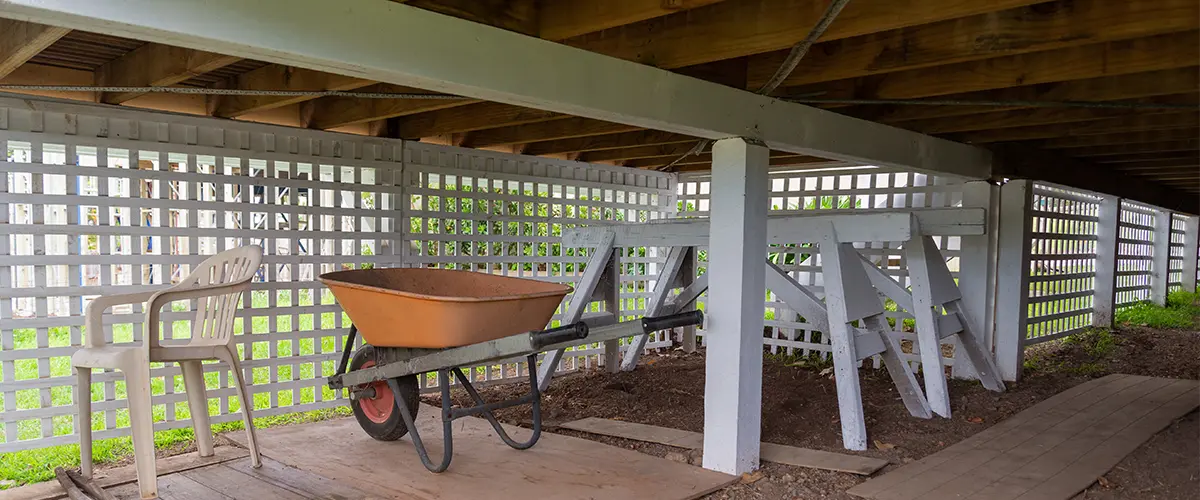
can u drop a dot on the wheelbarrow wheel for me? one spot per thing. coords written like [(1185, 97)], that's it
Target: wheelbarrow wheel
[(378, 415)]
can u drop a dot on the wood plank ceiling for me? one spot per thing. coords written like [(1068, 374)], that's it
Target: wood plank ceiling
[(1065, 90)]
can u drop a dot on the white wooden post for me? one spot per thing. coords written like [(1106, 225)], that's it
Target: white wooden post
[(1108, 230), (1160, 268), (1191, 239), (976, 275), (1012, 276), (737, 246)]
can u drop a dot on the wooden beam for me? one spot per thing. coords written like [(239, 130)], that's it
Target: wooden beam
[(333, 112), (1110, 139), (390, 42), (520, 16), (567, 18), (1033, 28), (1124, 149), (610, 141), (731, 29), (1021, 162), (639, 152), (1172, 164), (1178, 50), (1189, 156), (1105, 88), (559, 128), (156, 65), (1039, 116), (777, 158), (468, 118), (1110, 125), (279, 77), (41, 74), (20, 41)]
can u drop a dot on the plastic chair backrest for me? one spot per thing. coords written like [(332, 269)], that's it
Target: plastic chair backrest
[(214, 315)]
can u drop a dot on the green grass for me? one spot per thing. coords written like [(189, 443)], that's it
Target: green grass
[(1181, 312), (38, 465)]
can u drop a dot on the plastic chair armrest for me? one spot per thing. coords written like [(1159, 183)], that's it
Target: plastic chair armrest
[(94, 315)]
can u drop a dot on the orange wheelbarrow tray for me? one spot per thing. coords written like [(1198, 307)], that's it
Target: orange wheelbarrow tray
[(415, 321)]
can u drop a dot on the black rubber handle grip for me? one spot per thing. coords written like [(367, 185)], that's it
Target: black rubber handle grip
[(672, 321), (574, 331)]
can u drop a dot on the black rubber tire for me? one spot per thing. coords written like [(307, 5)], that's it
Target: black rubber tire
[(393, 428)]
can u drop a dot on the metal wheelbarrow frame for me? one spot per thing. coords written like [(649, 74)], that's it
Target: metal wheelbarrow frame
[(393, 365)]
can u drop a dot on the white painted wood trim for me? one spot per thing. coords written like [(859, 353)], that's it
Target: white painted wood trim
[(1191, 235), (977, 266), (390, 42), (1160, 268), (1107, 231), (1012, 277)]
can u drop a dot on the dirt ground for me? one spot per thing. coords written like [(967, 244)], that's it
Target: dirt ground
[(800, 409)]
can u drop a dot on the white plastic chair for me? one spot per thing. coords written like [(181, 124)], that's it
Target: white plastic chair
[(217, 284)]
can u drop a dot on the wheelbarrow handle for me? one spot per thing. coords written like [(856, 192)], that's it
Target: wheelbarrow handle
[(657, 323), (567, 333)]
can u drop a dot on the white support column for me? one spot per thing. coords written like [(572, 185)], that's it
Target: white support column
[(1160, 268), (1012, 277), (976, 275), (1108, 230), (737, 278), (1191, 240)]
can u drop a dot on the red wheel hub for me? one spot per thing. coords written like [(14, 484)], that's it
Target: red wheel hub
[(379, 408)]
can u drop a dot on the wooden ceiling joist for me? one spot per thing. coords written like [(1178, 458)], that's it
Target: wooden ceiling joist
[(334, 112), (609, 141), (730, 29), (1177, 50), (279, 77), (560, 19), (1105, 126), (156, 65), (1127, 149), (1033, 28), (469, 118), (1106, 88), (1170, 164), (559, 128), (640, 152), (1120, 138), (20, 41), (1040, 116), (1191, 156)]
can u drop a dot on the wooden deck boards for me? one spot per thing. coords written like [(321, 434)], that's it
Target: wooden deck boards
[(1050, 451), (770, 452)]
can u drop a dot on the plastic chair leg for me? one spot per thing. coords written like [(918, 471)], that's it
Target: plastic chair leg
[(83, 399), (247, 407), (141, 419), (193, 383)]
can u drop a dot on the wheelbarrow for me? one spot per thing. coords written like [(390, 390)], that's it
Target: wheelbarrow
[(414, 321)]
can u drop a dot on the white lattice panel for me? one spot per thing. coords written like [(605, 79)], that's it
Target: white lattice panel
[(1062, 262), (504, 214), (1175, 263), (126, 202), (850, 190), (1135, 253)]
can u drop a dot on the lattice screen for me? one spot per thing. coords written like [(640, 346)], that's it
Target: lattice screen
[(1175, 264), (481, 211), (1062, 262), (852, 189), (1135, 253)]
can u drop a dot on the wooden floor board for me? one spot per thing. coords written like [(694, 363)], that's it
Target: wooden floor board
[(1048, 452)]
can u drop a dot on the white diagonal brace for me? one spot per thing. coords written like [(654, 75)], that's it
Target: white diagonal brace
[(662, 287), (389, 42), (928, 340), (902, 375), (947, 325), (596, 267), (799, 298), (688, 295)]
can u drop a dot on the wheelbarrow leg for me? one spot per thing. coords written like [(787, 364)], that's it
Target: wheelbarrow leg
[(534, 395), (447, 436)]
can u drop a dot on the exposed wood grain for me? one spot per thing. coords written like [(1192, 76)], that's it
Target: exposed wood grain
[(1001, 119), (156, 65), (467, 118), (333, 112), (1179, 134), (568, 467), (559, 128), (238, 485), (639, 152), (610, 141), (1104, 126), (731, 29), (126, 475), (1125, 149), (567, 18), (1047, 26), (1182, 154), (297, 481), (279, 77), (20, 41), (513, 15), (1178, 50)]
